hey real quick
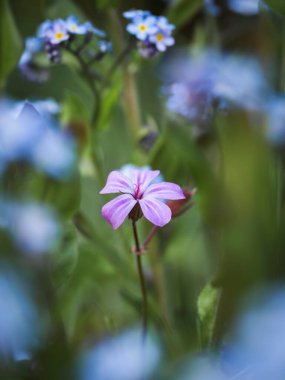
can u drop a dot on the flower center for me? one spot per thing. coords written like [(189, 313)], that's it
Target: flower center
[(137, 194), (73, 27), (159, 37), (58, 35), (142, 27)]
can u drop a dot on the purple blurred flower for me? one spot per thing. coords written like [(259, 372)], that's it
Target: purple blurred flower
[(138, 190)]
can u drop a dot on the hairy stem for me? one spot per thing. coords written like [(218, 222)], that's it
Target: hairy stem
[(142, 281)]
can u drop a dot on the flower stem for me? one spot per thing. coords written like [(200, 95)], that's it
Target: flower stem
[(142, 281)]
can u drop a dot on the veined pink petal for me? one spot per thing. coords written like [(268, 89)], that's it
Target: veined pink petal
[(155, 211), (116, 211), (143, 178), (164, 190), (117, 182)]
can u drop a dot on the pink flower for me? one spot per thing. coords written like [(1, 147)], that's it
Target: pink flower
[(138, 191)]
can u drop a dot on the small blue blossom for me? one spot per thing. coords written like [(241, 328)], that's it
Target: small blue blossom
[(154, 33), (72, 25), (164, 25), (105, 46), (162, 40), (57, 33), (142, 28)]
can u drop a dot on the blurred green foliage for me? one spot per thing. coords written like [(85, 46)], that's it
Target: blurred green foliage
[(228, 243)]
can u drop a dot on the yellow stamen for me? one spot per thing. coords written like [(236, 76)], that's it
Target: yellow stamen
[(159, 37), (142, 27), (59, 35)]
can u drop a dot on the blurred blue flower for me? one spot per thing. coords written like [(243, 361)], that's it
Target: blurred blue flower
[(32, 136), (121, 358), (190, 88), (48, 107), (209, 79), (54, 153), (245, 7), (19, 135), (256, 348), (33, 227), (19, 317), (240, 80), (203, 368)]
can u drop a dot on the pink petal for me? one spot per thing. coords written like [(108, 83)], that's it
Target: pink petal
[(116, 211), (155, 211), (143, 177), (117, 183), (164, 190)]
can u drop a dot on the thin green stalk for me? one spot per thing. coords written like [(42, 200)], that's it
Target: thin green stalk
[(142, 281), (131, 102), (90, 80)]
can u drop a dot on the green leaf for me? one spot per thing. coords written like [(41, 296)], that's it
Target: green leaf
[(10, 41), (207, 305), (182, 10), (275, 5)]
